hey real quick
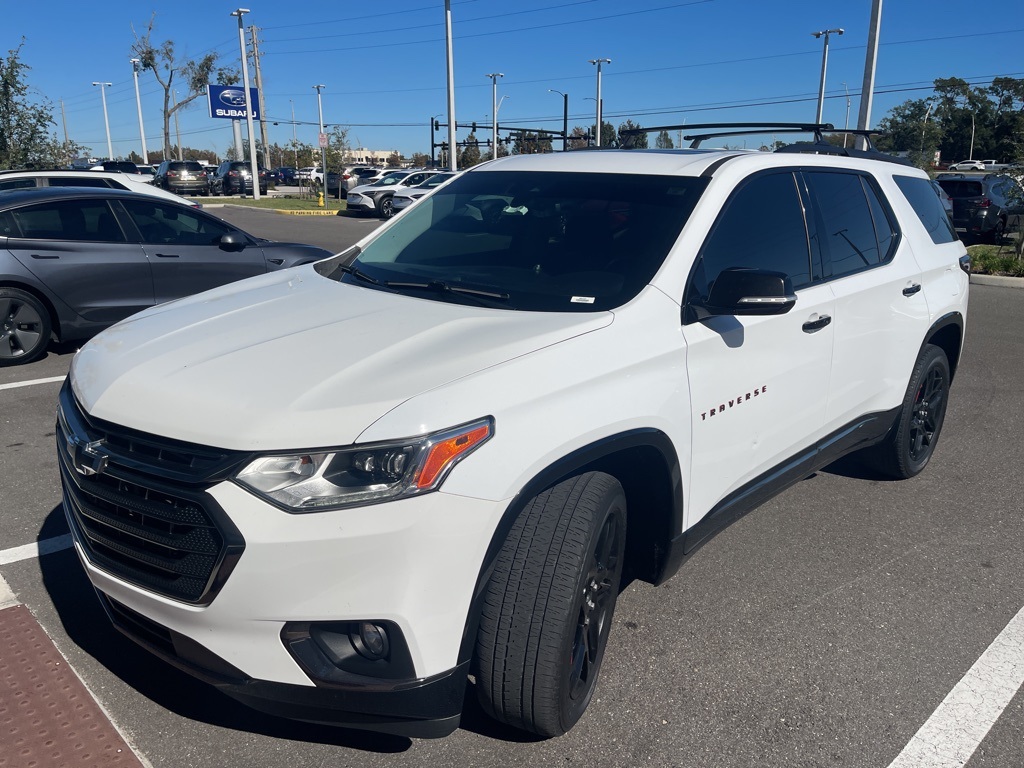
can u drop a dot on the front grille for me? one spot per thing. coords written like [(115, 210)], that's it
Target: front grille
[(131, 517)]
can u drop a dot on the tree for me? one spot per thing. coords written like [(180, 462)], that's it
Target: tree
[(635, 141), (470, 154), (664, 141), (26, 139), (530, 143), (193, 74), (394, 160), (609, 138), (578, 138), (420, 160)]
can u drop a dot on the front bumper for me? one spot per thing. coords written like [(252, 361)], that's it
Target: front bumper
[(410, 564)]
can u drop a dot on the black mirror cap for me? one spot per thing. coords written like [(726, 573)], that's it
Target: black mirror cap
[(739, 291)]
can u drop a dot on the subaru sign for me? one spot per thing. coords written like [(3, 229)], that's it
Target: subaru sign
[(228, 101)]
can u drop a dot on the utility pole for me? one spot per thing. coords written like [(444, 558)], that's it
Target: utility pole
[(253, 166), (565, 118), (452, 154), (103, 96), (259, 92), (64, 119), (494, 112), (867, 90), (295, 141), (599, 62), (138, 100), (824, 67)]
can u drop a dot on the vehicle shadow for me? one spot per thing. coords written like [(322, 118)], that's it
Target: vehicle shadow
[(86, 624), (854, 468)]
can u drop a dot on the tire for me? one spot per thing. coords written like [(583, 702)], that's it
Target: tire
[(995, 236), (548, 607), (911, 443), (24, 327), (386, 207)]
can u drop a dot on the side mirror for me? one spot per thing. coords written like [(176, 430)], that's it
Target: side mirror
[(739, 291), (233, 241)]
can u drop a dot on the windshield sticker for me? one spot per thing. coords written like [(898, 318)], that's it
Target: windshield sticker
[(582, 299)]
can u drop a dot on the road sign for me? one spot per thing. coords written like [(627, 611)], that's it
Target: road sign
[(323, 140)]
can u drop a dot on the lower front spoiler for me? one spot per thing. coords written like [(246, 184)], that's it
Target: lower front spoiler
[(425, 708)]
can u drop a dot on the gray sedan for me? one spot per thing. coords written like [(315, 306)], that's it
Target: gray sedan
[(74, 261)]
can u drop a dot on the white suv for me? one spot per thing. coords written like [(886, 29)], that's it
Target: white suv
[(339, 491)]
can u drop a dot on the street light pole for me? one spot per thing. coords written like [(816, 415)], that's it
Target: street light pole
[(253, 167), (924, 125), (846, 126), (599, 62), (106, 122), (295, 141), (565, 117), (323, 150), (138, 101), (824, 66), (494, 113)]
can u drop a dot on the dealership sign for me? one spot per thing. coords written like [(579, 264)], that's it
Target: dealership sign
[(228, 101)]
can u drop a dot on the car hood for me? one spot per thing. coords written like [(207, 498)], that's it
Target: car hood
[(293, 360)]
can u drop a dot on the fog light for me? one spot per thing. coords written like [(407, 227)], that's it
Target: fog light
[(371, 641)]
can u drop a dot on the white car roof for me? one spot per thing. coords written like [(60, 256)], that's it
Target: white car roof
[(134, 182)]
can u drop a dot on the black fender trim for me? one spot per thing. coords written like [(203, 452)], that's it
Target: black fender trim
[(587, 457), (950, 319)]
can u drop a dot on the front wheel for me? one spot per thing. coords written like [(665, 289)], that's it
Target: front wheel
[(548, 607), (24, 327), (386, 207), (911, 443)]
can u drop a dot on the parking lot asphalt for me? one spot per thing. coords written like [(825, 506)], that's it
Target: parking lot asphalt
[(823, 629)]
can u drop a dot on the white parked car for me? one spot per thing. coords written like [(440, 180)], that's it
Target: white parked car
[(377, 197), (338, 491), (109, 179), (968, 165), (406, 197)]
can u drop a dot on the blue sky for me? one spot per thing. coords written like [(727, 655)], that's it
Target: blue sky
[(383, 64)]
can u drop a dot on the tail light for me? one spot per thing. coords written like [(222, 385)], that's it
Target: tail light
[(172, 173), (985, 203), (232, 173)]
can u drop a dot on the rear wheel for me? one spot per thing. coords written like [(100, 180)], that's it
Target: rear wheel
[(24, 327), (548, 608), (909, 446)]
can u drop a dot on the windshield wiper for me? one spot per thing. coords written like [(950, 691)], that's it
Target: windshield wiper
[(357, 273), (484, 297)]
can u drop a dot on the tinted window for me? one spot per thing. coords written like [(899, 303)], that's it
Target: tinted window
[(21, 183), (77, 181), (959, 188), (928, 207), (7, 228), (159, 223), (88, 220), (543, 241), (761, 227), (846, 228)]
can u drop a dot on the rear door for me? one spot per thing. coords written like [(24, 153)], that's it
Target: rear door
[(183, 246), (79, 251)]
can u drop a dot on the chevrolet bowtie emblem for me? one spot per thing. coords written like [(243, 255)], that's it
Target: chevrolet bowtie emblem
[(89, 459)]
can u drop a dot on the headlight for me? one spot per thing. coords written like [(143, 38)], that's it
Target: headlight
[(362, 474)]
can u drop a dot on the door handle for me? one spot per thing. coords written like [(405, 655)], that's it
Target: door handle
[(278, 262), (911, 289), (44, 256), (167, 255), (816, 325)]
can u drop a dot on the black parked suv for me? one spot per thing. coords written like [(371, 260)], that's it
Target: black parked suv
[(234, 177), (983, 205), (181, 177)]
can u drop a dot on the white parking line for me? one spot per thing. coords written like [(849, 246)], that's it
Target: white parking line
[(951, 735), (16, 384), (39, 548)]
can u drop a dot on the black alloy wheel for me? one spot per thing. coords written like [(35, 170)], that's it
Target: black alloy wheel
[(548, 608), (909, 446), (386, 207)]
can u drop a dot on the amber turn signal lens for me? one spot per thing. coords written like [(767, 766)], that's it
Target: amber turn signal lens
[(442, 454)]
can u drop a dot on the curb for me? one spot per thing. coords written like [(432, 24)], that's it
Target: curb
[(998, 280), (305, 213)]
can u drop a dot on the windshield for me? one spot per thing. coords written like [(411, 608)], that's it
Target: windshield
[(528, 240), (389, 181)]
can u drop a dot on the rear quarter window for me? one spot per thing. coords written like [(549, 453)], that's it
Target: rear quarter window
[(928, 207)]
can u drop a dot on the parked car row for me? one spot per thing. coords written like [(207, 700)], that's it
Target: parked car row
[(985, 206), (75, 260)]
